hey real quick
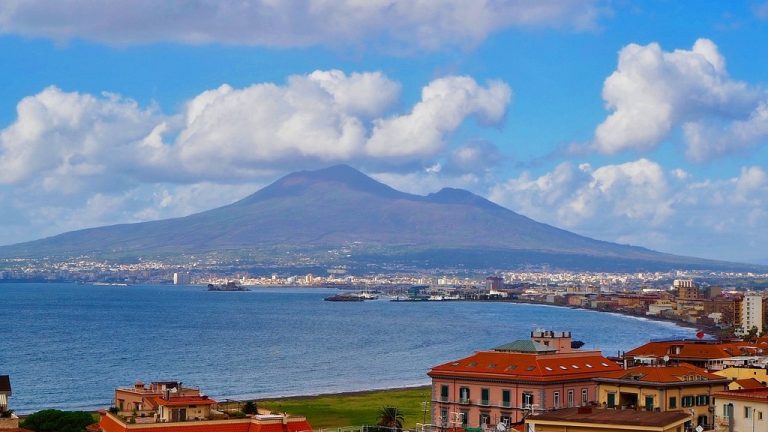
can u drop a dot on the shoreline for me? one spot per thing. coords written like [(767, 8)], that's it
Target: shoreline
[(339, 394), (707, 329)]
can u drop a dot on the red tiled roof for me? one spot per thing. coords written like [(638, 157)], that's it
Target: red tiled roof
[(758, 394), (691, 349), (749, 383), (665, 374), (511, 365), (612, 417)]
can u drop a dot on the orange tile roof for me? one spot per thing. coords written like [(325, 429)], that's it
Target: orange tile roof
[(665, 374), (526, 366), (759, 394), (692, 349), (749, 383)]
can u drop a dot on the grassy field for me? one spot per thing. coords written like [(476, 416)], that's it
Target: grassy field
[(352, 409)]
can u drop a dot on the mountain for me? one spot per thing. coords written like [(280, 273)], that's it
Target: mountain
[(338, 215)]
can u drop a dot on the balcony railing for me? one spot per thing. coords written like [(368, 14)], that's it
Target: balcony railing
[(465, 401)]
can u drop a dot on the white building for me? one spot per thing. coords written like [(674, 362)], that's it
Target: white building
[(752, 312), (741, 410), (181, 279)]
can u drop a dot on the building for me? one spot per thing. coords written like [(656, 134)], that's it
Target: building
[(742, 410), (168, 406), (682, 388), (181, 279), (737, 373), (507, 383), (745, 384), (752, 312), (494, 283), (686, 289), (9, 422), (707, 354), (591, 419), (140, 397), (5, 391)]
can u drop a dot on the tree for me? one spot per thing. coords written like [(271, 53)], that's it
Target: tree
[(58, 421), (250, 408), (391, 417)]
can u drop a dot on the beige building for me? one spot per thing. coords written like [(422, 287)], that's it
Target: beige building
[(742, 410), (589, 419), (681, 388), (740, 373)]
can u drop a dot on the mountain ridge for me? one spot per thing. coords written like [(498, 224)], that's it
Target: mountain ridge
[(316, 213)]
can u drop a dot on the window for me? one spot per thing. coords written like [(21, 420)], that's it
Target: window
[(444, 417), (584, 396), (485, 418), (485, 396), (727, 410), (464, 395), (687, 401), (611, 402), (505, 418), (464, 418), (570, 398), (702, 400), (649, 403), (672, 402), (747, 412), (505, 398), (556, 399), (443, 393), (527, 399), (759, 415)]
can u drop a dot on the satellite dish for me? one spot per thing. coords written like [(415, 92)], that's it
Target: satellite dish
[(501, 427), (666, 358), (699, 334)]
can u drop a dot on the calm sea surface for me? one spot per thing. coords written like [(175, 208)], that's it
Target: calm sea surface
[(68, 346)]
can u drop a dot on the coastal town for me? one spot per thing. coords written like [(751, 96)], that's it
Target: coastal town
[(543, 382)]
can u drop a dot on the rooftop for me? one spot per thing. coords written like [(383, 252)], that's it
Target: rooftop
[(678, 374), (613, 417), (755, 394), (516, 365), (693, 349), (750, 383)]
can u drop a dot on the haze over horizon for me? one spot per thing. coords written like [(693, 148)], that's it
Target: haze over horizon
[(636, 123)]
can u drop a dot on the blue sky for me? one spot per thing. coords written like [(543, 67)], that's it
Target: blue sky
[(636, 122)]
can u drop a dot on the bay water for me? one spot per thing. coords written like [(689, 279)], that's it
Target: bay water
[(68, 346)]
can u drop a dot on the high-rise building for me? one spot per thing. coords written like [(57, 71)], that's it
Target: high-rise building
[(181, 279), (752, 312)]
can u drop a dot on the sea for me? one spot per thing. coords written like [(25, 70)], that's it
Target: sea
[(68, 346)]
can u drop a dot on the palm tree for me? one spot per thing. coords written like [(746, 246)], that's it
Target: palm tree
[(391, 417)]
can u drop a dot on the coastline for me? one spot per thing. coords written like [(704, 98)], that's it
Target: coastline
[(708, 330)]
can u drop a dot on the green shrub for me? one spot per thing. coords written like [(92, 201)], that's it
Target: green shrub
[(58, 421)]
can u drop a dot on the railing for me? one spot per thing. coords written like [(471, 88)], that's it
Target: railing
[(465, 401)]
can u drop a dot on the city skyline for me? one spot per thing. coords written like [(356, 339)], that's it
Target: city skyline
[(640, 123)]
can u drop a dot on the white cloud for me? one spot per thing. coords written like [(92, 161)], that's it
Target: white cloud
[(653, 92), (639, 203), (444, 105), (410, 23)]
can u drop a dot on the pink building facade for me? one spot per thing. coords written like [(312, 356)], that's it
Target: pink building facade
[(508, 383)]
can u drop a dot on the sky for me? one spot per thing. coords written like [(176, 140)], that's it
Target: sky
[(637, 122)]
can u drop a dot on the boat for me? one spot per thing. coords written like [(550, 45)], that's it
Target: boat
[(229, 286)]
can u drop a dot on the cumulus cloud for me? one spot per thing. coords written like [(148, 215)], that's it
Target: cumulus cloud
[(444, 105), (64, 140), (653, 92), (421, 23), (640, 203)]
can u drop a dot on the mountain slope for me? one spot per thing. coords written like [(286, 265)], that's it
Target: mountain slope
[(313, 211)]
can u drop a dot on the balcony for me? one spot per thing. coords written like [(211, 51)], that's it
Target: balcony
[(465, 401), (485, 402), (506, 404)]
